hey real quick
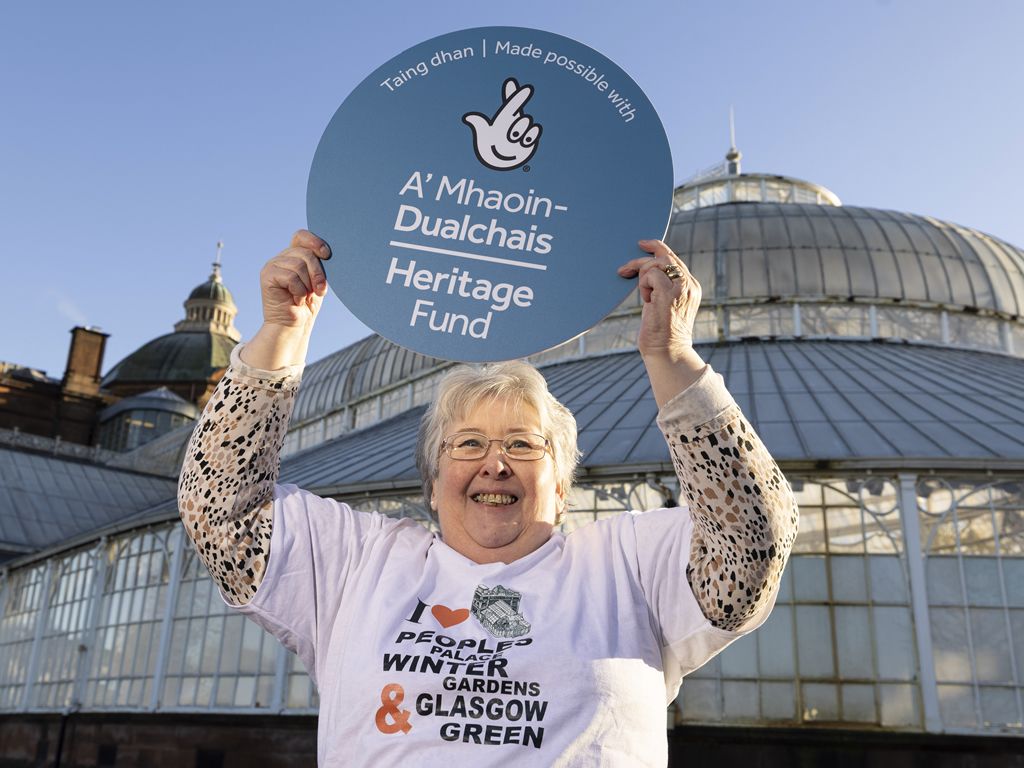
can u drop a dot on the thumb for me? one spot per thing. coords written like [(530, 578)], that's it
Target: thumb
[(476, 121)]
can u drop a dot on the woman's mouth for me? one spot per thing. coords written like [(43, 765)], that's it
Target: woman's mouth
[(494, 499)]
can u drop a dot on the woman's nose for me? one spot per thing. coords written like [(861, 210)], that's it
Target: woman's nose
[(494, 461)]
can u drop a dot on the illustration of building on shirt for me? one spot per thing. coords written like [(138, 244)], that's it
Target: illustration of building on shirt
[(497, 609)]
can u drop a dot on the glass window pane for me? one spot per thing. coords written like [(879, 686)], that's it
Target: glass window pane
[(899, 705), (983, 585), (844, 525), (991, 645), (859, 703), (944, 580), (848, 579), (949, 644), (895, 642), (814, 641), (811, 536), (702, 700), (853, 642), (740, 700), (888, 583), (775, 643), (809, 582), (740, 658), (999, 707), (956, 704), (821, 702), (778, 701)]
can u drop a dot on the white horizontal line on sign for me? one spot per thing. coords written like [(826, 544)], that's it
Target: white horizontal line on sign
[(464, 255)]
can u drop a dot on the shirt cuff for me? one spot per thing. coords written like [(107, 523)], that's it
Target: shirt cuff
[(287, 377), (701, 402)]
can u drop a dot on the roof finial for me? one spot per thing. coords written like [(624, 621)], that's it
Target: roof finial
[(216, 264), (733, 156)]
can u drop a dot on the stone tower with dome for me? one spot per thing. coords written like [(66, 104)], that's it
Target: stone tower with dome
[(188, 362)]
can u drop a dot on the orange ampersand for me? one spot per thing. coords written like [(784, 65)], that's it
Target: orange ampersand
[(391, 697)]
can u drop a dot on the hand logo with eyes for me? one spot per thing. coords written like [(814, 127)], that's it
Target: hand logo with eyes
[(509, 139)]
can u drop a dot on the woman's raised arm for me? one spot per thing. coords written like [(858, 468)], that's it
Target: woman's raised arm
[(225, 491), (744, 513)]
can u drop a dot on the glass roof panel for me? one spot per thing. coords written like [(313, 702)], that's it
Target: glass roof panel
[(728, 233), (810, 281), (1004, 296), (734, 272), (836, 270), (703, 236), (775, 230), (887, 273), (824, 231), (872, 234), (936, 278), (895, 235)]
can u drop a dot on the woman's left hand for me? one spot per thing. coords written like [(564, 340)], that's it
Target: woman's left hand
[(669, 303)]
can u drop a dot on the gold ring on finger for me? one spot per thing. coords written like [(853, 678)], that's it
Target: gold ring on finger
[(672, 272)]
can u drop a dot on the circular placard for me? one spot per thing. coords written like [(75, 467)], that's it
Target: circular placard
[(479, 190)]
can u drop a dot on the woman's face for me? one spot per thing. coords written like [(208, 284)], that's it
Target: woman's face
[(496, 509)]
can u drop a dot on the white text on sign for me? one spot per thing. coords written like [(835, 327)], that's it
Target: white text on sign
[(456, 282)]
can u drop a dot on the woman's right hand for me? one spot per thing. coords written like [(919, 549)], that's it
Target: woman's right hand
[(293, 283)]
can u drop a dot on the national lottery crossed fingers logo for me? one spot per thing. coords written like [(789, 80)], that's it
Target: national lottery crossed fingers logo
[(509, 139), (479, 190)]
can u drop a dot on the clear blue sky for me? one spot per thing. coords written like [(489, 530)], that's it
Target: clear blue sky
[(134, 136)]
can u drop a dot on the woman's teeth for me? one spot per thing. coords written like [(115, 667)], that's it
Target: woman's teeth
[(493, 498)]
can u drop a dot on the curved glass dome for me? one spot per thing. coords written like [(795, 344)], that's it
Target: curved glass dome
[(749, 251), (749, 188), (800, 266), (343, 378)]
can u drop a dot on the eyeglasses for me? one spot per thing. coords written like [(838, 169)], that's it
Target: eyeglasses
[(521, 446)]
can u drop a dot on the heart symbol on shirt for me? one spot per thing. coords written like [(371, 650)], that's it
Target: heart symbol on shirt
[(447, 617)]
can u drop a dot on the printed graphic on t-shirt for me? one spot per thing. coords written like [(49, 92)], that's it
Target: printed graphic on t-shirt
[(457, 680), (497, 610)]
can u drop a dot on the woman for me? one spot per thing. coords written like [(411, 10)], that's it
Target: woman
[(501, 640)]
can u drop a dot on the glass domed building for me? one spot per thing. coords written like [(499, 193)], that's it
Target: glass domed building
[(189, 360), (879, 354)]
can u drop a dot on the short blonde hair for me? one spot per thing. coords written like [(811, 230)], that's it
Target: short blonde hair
[(517, 383)]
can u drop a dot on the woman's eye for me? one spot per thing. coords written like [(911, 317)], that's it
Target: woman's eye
[(467, 442)]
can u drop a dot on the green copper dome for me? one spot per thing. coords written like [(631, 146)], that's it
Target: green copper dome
[(179, 356)]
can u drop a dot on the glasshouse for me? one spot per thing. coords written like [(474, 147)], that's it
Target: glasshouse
[(879, 354)]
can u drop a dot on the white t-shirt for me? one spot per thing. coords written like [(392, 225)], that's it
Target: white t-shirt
[(422, 657)]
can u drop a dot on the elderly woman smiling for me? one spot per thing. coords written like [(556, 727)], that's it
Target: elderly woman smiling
[(501, 640)]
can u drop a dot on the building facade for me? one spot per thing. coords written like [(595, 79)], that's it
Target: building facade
[(879, 354)]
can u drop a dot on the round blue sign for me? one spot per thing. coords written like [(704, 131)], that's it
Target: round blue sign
[(479, 190)]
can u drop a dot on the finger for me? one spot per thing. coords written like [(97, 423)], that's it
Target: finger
[(519, 128), (519, 98), (658, 249), (282, 277), (306, 239), (632, 267), (509, 88), (308, 267), (661, 255)]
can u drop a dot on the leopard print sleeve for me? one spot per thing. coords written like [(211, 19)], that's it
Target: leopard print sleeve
[(744, 512), (225, 491)]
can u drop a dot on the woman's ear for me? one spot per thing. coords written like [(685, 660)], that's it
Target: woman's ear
[(433, 500)]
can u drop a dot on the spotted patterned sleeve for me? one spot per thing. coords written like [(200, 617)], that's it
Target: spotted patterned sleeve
[(225, 491), (744, 512)]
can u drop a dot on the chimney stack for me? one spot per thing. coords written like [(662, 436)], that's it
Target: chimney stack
[(85, 361)]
